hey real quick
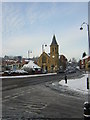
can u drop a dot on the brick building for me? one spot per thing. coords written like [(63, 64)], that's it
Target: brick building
[(62, 62), (85, 63)]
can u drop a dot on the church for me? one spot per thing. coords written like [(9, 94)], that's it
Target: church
[(50, 62)]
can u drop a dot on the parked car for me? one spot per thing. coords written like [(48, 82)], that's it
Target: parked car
[(44, 71), (15, 72), (6, 73)]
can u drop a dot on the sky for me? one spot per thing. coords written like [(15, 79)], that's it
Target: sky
[(29, 25)]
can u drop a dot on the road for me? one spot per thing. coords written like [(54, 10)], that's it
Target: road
[(25, 98)]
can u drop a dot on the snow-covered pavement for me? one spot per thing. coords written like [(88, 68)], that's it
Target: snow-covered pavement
[(25, 76), (79, 84)]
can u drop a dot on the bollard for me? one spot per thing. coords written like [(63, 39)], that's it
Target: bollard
[(86, 111), (87, 83), (65, 79)]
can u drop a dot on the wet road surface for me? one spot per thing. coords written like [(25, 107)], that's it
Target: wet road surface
[(25, 98)]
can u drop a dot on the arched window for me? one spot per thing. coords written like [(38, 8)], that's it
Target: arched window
[(52, 49), (55, 49), (43, 59)]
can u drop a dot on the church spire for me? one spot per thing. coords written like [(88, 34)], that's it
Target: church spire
[(54, 42)]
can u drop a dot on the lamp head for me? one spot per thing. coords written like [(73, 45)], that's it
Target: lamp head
[(81, 28)]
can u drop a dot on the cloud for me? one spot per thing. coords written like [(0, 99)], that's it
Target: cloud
[(17, 16), (37, 12), (12, 19), (27, 25)]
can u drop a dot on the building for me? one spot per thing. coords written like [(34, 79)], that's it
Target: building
[(50, 62), (62, 62), (31, 67), (85, 63), (10, 65)]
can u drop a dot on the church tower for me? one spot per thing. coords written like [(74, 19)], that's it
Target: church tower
[(54, 55)]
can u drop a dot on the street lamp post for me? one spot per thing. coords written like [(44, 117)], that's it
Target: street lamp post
[(81, 28), (87, 104), (43, 47), (29, 52)]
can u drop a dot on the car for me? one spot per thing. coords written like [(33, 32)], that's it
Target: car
[(87, 111), (44, 71), (6, 73)]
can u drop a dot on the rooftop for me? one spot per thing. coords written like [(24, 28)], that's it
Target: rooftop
[(54, 42)]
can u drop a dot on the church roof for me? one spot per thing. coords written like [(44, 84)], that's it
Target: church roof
[(54, 42), (44, 53)]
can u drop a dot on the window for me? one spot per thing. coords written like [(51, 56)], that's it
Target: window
[(55, 49), (43, 59), (52, 49)]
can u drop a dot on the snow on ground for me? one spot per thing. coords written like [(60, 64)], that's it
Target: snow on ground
[(31, 64), (79, 84)]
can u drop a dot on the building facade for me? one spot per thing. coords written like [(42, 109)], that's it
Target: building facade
[(54, 55), (85, 63), (50, 63), (62, 62)]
